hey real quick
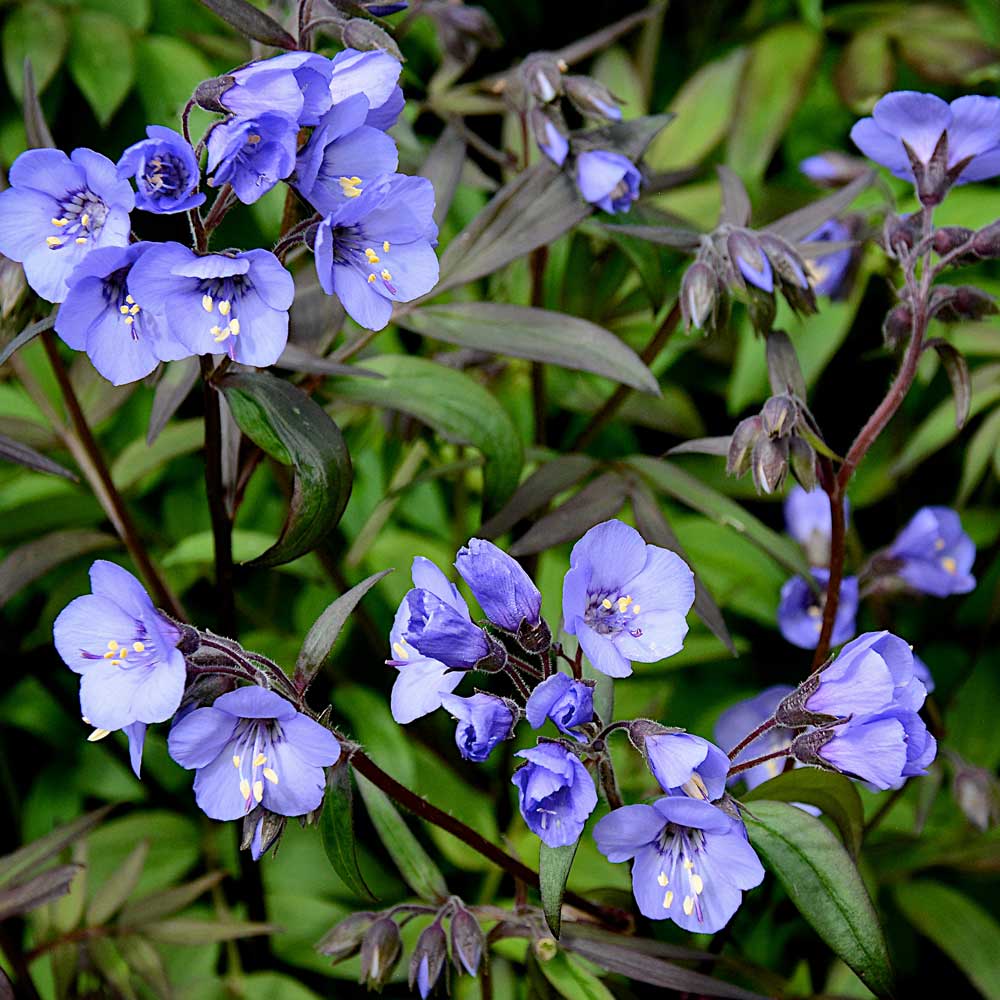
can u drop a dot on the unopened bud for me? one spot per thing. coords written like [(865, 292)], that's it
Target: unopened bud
[(802, 460), (428, 958), (542, 77), (209, 93), (900, 233), (978, 796), (535, 638), (779, 416), (749, 262), (495, 659), (699, 296), (986, 243), (949, 238), (384, 9), (897, 326), (344, 939), (769, 463), (463, 30), (262, 829), (832, 169), (546, 948), (591, 98), (550, 133), (741, 445), (467, 941), (805, 748), (950, 304), (380, 951)]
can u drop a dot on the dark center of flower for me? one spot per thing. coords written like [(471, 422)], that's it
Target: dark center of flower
[(81, 219), (352, 247), (609, 614), (117, 296), (164, 174)]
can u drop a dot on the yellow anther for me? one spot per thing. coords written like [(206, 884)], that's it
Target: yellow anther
[(54, 241), (134, 310), (400, 650), (130, 300), (60, 222), (949, 564), (371, 279), (97, 734), (234, 326), (350, 186), (623, 603), (813, 611), (109, 655), (258, 790), (695, 787), (112, 645), (253, 139), (386, 275), (939, 544), (116, 663), (218, 334), (236, 760), (355, 180), (224, 306), (259, 759), (662, 879), (636, 610), (81, 240), (606, 604), (688, 864), (206, 303), (123, 310), (385, 246), (697, 883), (123, 652), (668, 899), (129, 320), (84, 219), (270, 775), (245, 788), (689, 905), (373, 258)]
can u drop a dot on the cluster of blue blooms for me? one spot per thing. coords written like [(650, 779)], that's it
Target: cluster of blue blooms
[(131, 304), (931, 555)]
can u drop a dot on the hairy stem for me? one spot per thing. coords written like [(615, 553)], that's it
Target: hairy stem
[(750, 737), (746, 766)]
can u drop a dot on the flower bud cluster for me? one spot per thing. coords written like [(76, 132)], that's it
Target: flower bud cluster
[(770, 443)]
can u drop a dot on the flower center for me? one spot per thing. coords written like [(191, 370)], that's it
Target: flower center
[(679, 848), (610, 614), (164, 174), (81, 219), (222, 295), (253, 741), (351, 247)]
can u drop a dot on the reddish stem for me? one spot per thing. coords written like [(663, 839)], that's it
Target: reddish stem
[(750, 737), (738, 768)]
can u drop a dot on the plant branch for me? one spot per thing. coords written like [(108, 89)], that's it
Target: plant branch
[(750, 737), (739, 768)]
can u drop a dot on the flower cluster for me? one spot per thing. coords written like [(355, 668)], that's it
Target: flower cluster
[(131, 305)]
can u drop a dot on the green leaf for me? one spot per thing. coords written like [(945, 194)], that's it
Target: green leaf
[(961, 928), (833, 794), (675, 482), (189, 931), (37, 32), (615, 69), (295, 431), (866, 70), (978, 453), (34, 559), (27, 335), (167, 902), (139, 457), (781, 66), (571, 980), (171, 70), (115, 890), (135, 13), (414, 863), (554, 864), (823, 882), (536, 334), (456, 407), (101, 61), (336, 827)]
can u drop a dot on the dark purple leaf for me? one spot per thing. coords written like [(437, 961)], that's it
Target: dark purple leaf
[(736, 207), (175, 384), (667, 236), (443, 168), (958, 375), (797, 225), (25, 896), (718, 446), (21, 454), (12, 866), (298, 359), (250, 21), (34, 559), (783, 367), (27, 334)]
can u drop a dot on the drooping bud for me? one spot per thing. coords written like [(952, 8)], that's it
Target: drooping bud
[(791, 271), (699, 296), (384, 9), (977, 793), (986, 242), (769, 463), (949, 238), (802, 459), (779, 416), (950, 304), (208, 94), (344, 939), (901, 233), (542, 77), (897, 326), (428, 959), (741, 445), (591, 98), (380, 952), (467, 941), (749, 262), (550, 133), (262, 829), (534, 638)]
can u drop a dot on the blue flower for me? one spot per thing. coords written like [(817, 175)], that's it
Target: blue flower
[(252, 154), (436, 629), (385, 9), (504, 591), (800, 612), (100, 316), (608, 180), (550, 140), (807, 520), (250, 748), (751, 261), (555, 794), (906, 118), (343, 156), (625, 600), (936, 554), (685, 764), (829, 271), (566, 702), (743, 718), (923, 673), (57, 209), (483, 721), (232, 303), (378, 248), (692, 861), (295, 85), (374, 74), (165, 170), (126, 653), (422, 680)]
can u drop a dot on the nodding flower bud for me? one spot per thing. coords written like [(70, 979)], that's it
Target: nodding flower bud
[(344, 939), (428, 958), (791, 271), (467, 941), (550, 133), (592, 98), (949, 238), (380, 952), (977, 793), (986, 242), (901, 233), (769, 463), (262, 829), (463, 29), (741, 445), (802, 460), (699, 296), (208, 94), (542, 77), (897, 326), (750, 264), (832, 169), (950, 304), (779, 416)]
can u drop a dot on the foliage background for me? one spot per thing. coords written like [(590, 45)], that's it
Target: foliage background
[(758, 86)]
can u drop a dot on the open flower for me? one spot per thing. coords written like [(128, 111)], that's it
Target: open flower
[(483, 721), (374, 74), (125, 651), (692, 861), (165, 170), (504, 591), (293, 84), (828, 273), (100, 316), (625, 600), (743, 718), (608, 180), (57, 209), (936, 554), (232, 303), (377, 248), (685, 764), (422, 680), (250, 748), (800, 612), (555, 793), (252, 154), (568, 703), (436, 628)]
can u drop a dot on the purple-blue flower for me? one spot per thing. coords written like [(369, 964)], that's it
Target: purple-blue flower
[(220, 303), (504, 591), (625, 600), (100, 316), (165, 170), (342, 156), (751, 261), (800, 611), (252, 154), (692, 862), (685, 764), (378, 248), (608, 180), (293, 84), (807, 520), (374, 74), (568, 703), (438, 630), (923, 673), (250, 748), (57, 209), (422, 680), (936, 554), (972, 124), (125, 652), (550, 140), (741, 719), (555, 793), (483, 721), (829, 270)]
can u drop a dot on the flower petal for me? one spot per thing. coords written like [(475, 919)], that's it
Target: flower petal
[(197, 739)]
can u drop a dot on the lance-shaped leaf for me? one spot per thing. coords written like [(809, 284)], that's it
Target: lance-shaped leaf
[(667, 236), (26, 336), (13, 866), (113, 893), (456, 407), (321, 637), (443, 168), (717, 446), (833, 794), (554, 864), (957, 371), (252, 22), (295, 431), (536, 334), (166, 903), (177, 381), (36, 129), (783, 367), (336, 828), (571, 980), (25, 896), (823, 882), (798, 224), (736, 208), (298, 359), (190, 931), (21, 454), (34, 559), (631, 138)]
